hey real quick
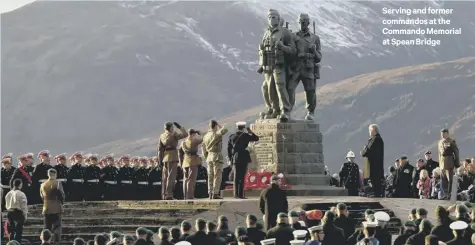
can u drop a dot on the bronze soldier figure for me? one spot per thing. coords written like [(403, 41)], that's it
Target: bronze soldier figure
[(168, 157), (276, 44), (306, 69)]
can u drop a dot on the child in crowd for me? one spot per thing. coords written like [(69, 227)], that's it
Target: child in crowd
[(435, 183), (424, 184)]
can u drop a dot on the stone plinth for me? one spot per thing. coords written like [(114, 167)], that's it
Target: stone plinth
[(296, 150)]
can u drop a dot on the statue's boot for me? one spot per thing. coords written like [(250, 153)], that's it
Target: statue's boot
[(273, 115), (310, 116), (265, 114), (284, 117)]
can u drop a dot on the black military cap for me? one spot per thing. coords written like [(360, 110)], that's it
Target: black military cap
[(428, 153), (282, 215), (141, 231), (222, 218), (444, 130), (341, 206), (420, 160), (403, 157), (421, 211)]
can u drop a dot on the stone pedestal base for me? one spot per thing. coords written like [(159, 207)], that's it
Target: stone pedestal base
[(294, 149)]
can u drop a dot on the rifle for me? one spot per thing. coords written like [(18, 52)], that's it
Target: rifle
[(317, 68), (314, 28), (286, 25)]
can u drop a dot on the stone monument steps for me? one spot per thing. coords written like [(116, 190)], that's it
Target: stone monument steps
[(300, 190), (92, 212), (111, 220), (307, 179)]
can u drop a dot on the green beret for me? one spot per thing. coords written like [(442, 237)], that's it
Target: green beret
[(282, 215), (293, 214), (115, 234), (141, 231)]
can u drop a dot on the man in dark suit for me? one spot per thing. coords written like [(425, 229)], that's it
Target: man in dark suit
[(239, 156), (52, 194), (374, 160)]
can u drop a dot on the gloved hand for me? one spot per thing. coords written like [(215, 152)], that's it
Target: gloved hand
[(177, 125)]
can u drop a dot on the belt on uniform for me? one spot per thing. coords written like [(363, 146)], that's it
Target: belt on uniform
[(126, 181), (93, 181), (157, 183), (5, 186), (110, 182), (42, 180), (170, 149), (201, 181), (78, 180), (61, 180), (229, 182), (142, 183), (180, 180)]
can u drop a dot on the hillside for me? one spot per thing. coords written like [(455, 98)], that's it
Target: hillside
[(80, 74), (411, 105)]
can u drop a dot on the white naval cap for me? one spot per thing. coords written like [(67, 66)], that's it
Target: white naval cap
[(297, 242), (300, 234), (268, 241), (382, 216), (183, 243), (241, 124), (458, 225), (315, 228), (370, 224)]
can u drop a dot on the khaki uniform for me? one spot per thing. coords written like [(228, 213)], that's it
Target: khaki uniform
[(306, 68), (448, 158), (53, 197), (272, 60), (191, 160), (167, 147), (212, 150)]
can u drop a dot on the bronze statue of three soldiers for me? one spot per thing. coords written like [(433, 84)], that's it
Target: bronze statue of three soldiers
[(285, 59)]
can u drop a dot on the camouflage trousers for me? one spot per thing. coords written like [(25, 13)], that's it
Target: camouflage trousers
[(279, 78), (215, 170)]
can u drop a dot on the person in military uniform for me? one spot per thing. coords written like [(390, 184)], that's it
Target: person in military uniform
[(141, 180), (350, 175), (92, 179), (40, 174), (201, 189), (369, 231), (272, 201), (155, 180), (458, 228), (53, 197), (168, 156), (409, 230), (307, 69), (61, 170), (316, 235), (110, 174), (449, 159), (75, 179), (239, 155), (7, 174), (125, 177), (276, 44), (190, 162), (212, 151), (403, 179), (283, 233)]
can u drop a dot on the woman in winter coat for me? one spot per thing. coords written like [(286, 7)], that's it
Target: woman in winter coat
[(423, 185)]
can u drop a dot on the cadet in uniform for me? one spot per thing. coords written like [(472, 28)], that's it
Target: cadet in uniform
[(316, 235), (7, 173), (25, 173), (239, 155), (212, 151), (110, 175), (190, 162), (307, 69), (40, 174), (382, 233), (201, 190), (92, 179), (458, 228), (61, 170), (125, 179), (350, 175), (276, 44), (155, 180), (282, 232), (141, 180), (370, 232), (76, 179), (168, 156)]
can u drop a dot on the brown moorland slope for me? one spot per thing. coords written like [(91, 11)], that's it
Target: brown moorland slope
[(411, 104)]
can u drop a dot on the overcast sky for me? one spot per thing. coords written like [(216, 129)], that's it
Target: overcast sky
[(9, 5)]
